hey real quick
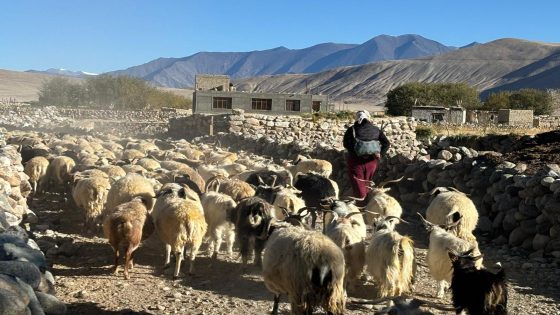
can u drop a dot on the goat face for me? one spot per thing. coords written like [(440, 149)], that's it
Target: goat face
[(464, 260)]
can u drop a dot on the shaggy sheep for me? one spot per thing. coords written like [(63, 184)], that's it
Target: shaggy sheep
[(234, 188), (36, 168), (123, 229), (477, 291), (441, 241), (90, 194), (449, 205), (348, 233), (308, 267), (209, 171), (114, 172), (218, 210), (148, 164), (59, 172), (234, 169), (390, 259), (304, 164), (179, 221), (126, 188)]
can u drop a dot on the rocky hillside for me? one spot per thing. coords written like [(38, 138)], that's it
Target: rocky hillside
[(180, 72), (501, 64)]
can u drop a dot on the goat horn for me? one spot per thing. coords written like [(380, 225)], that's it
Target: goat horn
[(274, 177), (424, 220), (363, 180), (382, 184), (356, 199), (352, 214), (394, 217)]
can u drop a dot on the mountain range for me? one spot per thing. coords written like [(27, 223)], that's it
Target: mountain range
[(64, 73), (180, 72)]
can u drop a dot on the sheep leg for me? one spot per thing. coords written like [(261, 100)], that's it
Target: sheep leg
[(442, 285), (127, 260), (116, 267), (167, 255), (230, 239), (192, 256), (218, 234), (275, 306), (178, 260), (259, 246)]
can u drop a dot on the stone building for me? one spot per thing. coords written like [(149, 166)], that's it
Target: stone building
[(434, 114), (214, 94), (515, 117), (482, 117)]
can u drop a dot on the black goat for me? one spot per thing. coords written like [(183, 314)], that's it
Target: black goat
[(315, 189), (269, 178), (252, 218), (478, 291)]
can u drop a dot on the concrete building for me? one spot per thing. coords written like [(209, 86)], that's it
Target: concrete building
[(516, 117), (434, 114), (482, 117), (215, 94)]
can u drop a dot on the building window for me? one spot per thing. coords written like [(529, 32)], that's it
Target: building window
[(316, 106), (261, 104), (221, 102), (437, 117), (292, 105)]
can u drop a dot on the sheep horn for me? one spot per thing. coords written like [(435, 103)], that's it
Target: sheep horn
[(382, 184)]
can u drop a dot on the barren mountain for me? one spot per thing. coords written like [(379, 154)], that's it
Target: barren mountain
[(180, 72), (501, 64), (22, 86)]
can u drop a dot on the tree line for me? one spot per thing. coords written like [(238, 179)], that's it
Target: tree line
[(400, 100), (107, 92)]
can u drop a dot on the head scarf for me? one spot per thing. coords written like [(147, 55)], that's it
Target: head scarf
[(361, 115)]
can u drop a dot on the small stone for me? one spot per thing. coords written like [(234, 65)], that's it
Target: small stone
[(83, 294), (445, 155)]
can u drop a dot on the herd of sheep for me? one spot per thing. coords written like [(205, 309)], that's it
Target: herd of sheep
[(191, 193)]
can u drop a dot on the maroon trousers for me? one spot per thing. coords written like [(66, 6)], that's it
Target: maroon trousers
[(360, 171)]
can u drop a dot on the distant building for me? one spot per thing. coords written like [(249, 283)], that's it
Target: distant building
[(482, 117), (434, 114), (516, 117), (215, 94)]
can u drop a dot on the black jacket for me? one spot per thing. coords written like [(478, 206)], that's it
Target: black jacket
[(365, 131)]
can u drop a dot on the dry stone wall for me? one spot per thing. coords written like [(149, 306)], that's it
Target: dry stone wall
[(23, 267)]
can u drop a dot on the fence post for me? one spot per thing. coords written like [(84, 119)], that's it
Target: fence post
[(211, 125)]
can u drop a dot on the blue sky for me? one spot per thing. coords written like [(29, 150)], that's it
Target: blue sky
[(104, 35)]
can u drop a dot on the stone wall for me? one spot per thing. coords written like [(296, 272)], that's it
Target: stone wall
[(23, 266)]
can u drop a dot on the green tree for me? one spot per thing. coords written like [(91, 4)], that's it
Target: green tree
[(539, 101), (400, 100)]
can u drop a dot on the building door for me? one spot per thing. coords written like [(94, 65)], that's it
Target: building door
[(437, 117)]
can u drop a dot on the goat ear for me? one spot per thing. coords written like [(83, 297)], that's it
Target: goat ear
[(453, 256)]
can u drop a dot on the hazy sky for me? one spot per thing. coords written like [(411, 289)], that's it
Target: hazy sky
[(104, 35)]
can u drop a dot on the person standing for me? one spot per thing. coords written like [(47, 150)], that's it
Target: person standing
[(365, 144)]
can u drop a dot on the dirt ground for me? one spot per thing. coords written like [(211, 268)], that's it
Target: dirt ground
[(536, 152), (222, 286)]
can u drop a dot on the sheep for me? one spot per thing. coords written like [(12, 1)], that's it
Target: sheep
[(148, 164), (234, 169), (441, 241), (314, 189), (390, 258), (123, 229), (348, 233), (131, 154), (303, 164), (252, 218), (59, 172), (191, 153), (90, 194), (220, 158), (179, 221), (342, 208), (478, 291), (234, 188), (282, 198), (114, 172), (380, 202), (209, 171), (447, 206), (308, 267), (127, 187), (36, 168), (218, 208)]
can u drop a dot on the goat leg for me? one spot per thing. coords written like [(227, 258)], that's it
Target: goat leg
[(275, 306)]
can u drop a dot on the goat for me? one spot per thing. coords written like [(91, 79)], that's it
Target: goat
[(478, 291)]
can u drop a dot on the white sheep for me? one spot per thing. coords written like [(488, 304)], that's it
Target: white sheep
[(59, 171), (303, 164), (36, 169), (217, 211), (441, 242), (127, 188), (449, 205), (308, 267), (232, 187), (179, 221), (209, 171), (90, 194), (380, 203), (390, 259)]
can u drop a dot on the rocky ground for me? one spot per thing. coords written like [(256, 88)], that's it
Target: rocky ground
[(81, 266)]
